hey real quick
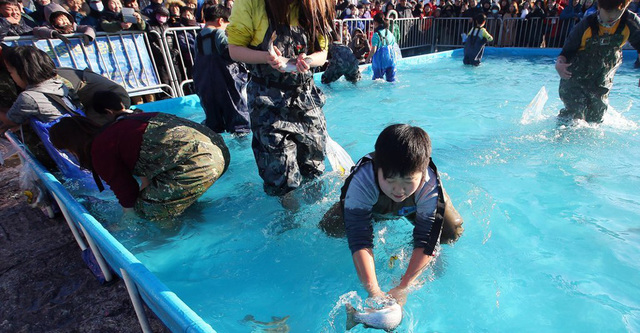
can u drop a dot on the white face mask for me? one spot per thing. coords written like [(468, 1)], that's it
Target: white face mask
[(97, 6)]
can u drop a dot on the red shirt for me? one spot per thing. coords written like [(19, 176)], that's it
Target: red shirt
[(114, 154)]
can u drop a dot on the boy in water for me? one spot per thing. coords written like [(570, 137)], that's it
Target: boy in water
[(477, 38), (398, 179), (590, 57)]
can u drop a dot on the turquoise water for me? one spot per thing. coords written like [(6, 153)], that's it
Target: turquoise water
[(552, 237)]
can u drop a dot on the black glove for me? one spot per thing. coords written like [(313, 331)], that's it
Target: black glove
[(86, 40), (64, 39)]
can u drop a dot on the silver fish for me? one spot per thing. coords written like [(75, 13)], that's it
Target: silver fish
[(290, 64), (387, 318), (276, 325)]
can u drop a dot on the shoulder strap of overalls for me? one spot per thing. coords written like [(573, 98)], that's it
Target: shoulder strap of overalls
[(365, 159), (436, 229), (200, 41), (58, 100), (386, 35), (623, 22)]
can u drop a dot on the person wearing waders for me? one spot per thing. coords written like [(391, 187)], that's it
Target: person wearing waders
[(590, 57), (476, 40), (175, 159), (341, 62), (288, 125), (220, 82), (383, 54)]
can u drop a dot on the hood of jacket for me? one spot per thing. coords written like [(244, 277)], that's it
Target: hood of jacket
[(55, 8), (53, 86)]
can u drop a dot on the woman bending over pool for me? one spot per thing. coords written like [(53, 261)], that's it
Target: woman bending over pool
[(176, 160)]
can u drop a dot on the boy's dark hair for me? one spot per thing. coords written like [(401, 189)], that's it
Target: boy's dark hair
[(401, 150), (31, 64), (218, 11), (479, 19), (103, 100), (613, 4)]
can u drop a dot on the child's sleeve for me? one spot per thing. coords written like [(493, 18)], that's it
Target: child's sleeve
[(633, 22), (486, 35), (360, 198), (574, 40)]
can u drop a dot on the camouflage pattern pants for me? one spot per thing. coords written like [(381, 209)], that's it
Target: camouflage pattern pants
[(342, 64), (289, 135), (181, 159), (583, 101)]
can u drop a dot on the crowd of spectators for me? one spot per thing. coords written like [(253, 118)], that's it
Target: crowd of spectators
[(503, 9), (48, 19), (55, 18)]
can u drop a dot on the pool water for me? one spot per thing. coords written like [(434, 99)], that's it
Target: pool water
[(551, 240)]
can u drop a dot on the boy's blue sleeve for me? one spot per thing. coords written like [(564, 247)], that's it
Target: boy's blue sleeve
[(573, 41), (360, 198), (633, 22)]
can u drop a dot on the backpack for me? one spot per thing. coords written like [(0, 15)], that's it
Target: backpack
[(85, 83)]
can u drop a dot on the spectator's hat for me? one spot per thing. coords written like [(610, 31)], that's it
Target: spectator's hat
[(365, 2), (161, 10)]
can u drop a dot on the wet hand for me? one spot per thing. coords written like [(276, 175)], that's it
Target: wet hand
[(562, 67), (377, 293), (275, 60), (399, 294), (301, 63)]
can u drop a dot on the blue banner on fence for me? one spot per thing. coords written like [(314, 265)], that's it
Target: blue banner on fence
[(123, 58)]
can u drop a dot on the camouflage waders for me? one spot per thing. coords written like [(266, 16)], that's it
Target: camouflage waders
[(585, 95), (288, 125), (342, 62), (182, 160)]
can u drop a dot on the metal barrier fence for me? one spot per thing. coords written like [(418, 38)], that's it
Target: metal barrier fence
[(446, 32), (179, 45), (411, 33), (123, 57)]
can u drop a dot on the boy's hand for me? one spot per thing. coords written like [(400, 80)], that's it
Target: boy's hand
[(562, 67), (399, 294)]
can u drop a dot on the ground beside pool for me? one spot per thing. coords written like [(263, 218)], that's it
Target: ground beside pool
[(44, 284)]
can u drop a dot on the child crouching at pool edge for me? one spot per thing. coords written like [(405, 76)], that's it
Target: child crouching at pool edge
[(176, 159), (397, 179)]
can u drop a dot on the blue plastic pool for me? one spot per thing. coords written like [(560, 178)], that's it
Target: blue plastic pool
[(552, 238)]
